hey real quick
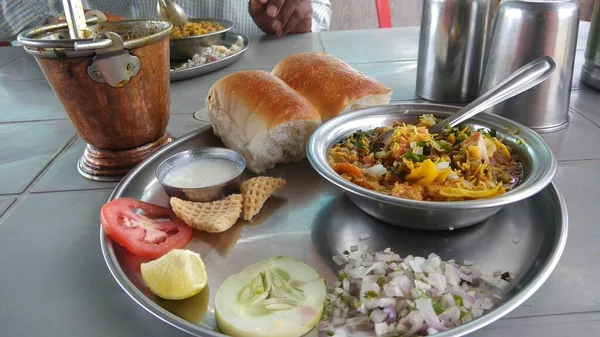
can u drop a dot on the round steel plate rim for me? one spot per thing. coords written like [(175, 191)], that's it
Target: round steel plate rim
[(228, 25), (164, 315), (514, 195)]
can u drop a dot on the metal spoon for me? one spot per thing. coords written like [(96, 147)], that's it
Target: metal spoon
[(169, 11), (523, 79)]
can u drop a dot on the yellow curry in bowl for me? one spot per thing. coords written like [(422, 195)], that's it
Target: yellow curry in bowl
[(459, 164), (196, 29)]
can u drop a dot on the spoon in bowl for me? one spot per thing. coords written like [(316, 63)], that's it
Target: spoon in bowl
[(523, 79), (167, 10)]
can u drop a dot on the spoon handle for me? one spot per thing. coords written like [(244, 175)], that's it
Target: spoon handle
[(523, 79), (75, 19)]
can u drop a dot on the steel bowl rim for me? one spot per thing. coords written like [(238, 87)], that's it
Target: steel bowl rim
[(228, 25), (200, 149), (323, 168), (115, 269)]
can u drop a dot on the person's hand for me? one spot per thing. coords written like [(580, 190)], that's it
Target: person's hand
[(281, 16)]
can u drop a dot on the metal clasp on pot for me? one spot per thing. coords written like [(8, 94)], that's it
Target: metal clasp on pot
[(112, 64)]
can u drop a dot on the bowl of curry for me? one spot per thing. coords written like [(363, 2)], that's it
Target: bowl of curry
[(391, 167)]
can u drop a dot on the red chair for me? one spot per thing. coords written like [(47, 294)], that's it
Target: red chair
[(383, 13)]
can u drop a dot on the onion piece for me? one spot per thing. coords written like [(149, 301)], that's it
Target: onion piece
[(442, 165), (376, 170)]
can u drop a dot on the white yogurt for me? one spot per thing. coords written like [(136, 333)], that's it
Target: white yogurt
[(202, 173)]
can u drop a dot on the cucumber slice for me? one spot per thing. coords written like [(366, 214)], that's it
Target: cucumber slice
[(280, 296)]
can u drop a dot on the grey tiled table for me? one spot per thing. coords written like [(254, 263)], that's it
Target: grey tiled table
[(53, 281)]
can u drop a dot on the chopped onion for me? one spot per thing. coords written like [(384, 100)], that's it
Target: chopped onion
[(452, 176), (424, 306), (392, 290), (376, 170), (386, 257), (383, 294), (337, 321), (341, 332), (442, 165), (381, 329), (364, 236), (340, 260), (482, 148), (378, 316)]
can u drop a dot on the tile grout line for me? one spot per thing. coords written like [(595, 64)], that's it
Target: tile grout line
[(15, 60), (20, 81), (555, 315), (321, 42), (26, 192), (7, 208), (8, 211), (383, 62), (45, 169), (29, 80), (582, 115), (36, 121)]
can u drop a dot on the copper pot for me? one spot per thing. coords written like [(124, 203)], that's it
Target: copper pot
[(113, 86)]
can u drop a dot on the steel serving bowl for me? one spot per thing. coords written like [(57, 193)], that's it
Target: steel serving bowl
[(207, 193), (184, 48), (538, 160)]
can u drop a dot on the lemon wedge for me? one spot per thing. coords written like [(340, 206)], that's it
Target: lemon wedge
[(276, 297), (177, 275)]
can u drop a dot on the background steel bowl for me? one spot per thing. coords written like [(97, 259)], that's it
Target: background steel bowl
[(183, 48), (207, 193), (539, 164)]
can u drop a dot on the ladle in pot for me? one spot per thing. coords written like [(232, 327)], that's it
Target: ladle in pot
[(169, 11), (75, 16)]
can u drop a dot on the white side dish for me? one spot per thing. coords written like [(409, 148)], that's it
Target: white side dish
[(202, 173)]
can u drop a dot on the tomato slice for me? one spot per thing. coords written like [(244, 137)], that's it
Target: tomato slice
[(143, 235)]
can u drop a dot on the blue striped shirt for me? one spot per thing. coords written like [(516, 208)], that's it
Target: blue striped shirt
[(19, 15)]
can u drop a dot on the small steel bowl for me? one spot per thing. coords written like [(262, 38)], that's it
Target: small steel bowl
[(184, 48), (538, 161), (201, 194)]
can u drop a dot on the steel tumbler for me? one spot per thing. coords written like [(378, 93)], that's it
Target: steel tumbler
[(522, 32), (452, 44)]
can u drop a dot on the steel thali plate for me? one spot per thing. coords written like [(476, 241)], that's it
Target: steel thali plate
[(229, 39), (312, 220)]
